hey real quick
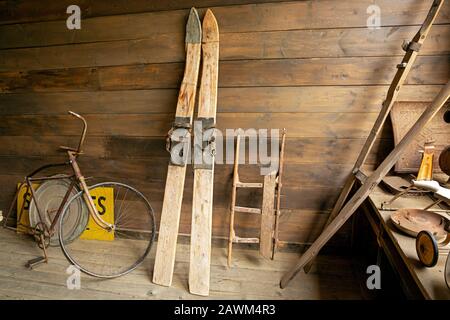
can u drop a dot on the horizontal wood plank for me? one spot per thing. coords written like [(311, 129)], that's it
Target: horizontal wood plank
[(164, 48), (336, 42), (243, 73), (331, 71), (240, 18), (308, 99), (324, 125), (306, 174), (298, 150), (19, 11)]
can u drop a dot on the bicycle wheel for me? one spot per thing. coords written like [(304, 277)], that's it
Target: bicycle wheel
[(108, 254)]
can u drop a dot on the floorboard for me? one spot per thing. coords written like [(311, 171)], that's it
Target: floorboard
[(250, 277)]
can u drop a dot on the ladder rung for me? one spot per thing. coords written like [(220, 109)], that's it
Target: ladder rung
[(247, 210), (237, 239), (249, 185)]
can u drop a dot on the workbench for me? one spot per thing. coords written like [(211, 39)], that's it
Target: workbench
[(417, 281)]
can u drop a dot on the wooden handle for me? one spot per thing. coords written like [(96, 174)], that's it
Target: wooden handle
[(426, 166)]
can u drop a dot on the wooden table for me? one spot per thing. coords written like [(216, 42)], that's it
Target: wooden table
[(400, 248)]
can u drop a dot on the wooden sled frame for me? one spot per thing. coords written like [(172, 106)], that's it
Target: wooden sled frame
[(268, 240), (341, 213)]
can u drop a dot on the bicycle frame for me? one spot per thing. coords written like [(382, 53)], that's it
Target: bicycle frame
[(86, 195), (29, 179), (76, 178)]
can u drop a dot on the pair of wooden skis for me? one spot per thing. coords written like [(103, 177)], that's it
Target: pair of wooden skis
[(179, 142)]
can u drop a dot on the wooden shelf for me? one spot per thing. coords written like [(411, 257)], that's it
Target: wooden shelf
[(430, 281)]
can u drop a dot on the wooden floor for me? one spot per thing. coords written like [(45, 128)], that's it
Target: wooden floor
[(251, 277)]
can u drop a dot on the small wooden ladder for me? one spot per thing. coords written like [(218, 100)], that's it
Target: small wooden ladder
[(268, 239)]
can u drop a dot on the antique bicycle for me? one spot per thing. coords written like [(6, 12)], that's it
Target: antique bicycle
[(106, 230)]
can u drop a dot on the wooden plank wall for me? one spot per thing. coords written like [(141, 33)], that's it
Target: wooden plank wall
[(310, 66)]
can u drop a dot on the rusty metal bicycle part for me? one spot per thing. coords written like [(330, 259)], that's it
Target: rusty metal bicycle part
[(85, 194), (42, 238), (28, 180), (48, 200), (41, 235), (78, 150)]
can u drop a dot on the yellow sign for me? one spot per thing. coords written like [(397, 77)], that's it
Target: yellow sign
[(23, 220), (104, 202)]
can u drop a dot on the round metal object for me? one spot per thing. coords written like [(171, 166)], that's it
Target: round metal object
[(427, 249), (49, 197), (41, 235), (412, 221), (444, 160), (97, 251)]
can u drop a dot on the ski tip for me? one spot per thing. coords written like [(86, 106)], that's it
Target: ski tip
[(210, 27), (193, 28)]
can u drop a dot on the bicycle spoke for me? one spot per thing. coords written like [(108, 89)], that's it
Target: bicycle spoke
[(120, 209), (125, 209)]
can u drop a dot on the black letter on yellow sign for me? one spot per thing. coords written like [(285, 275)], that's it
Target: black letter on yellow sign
[(102, 209)]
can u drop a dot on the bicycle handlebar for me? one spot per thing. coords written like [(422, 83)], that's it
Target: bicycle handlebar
[(83, 133)]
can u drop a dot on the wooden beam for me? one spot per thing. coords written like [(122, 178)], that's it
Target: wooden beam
[(268, 216), (371, 182)]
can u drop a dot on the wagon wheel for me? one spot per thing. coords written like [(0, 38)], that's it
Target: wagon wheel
[(427, 249), (41, 235)]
